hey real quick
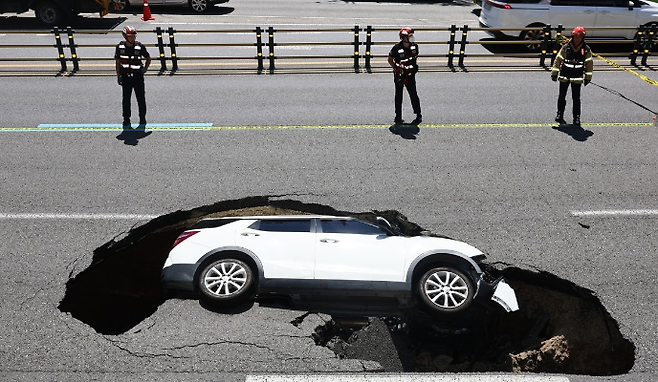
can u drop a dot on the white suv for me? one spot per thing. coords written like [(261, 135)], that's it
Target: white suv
[(517, 14), (345, 262)]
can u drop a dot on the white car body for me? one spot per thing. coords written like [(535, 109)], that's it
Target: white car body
[(369, 260), (624, 14)]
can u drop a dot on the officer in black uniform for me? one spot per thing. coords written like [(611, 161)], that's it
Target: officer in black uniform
[(402, 58), (573, 66), (130, 73)]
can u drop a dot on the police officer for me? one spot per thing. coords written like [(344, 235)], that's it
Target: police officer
[(130, 73), (573, 66), (402, 58)]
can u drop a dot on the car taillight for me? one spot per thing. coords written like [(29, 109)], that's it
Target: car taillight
[(499, 4), (183, 236)]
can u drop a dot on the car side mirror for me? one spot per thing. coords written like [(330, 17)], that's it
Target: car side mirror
[(383, 222), (631, 5)]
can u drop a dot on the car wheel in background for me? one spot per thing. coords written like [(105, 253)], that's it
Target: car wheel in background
[(119, 5), (49, 13), (226, 281), (446, 290), (532, 35), (199, 5)]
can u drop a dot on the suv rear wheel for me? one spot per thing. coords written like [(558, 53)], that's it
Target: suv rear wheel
[(226, 281)]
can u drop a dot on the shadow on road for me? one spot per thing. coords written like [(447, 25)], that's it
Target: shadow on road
[(131, 137), (576, 132), (27, 21), (405, 130)]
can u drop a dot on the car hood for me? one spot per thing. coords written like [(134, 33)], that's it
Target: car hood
[(439, 244)]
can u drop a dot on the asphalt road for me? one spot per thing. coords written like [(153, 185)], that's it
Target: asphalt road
[(486, 167)]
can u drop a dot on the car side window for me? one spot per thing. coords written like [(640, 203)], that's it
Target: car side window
[(350, 226), (301, 225)]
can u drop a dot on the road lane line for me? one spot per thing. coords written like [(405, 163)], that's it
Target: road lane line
[(41, 216), (616, 213), (404, 377), (99, 127)]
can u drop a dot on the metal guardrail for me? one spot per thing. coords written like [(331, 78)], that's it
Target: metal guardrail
[(359, 57)]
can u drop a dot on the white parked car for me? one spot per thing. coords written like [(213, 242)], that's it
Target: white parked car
[(517, 14), (344, 262), (195, 5)]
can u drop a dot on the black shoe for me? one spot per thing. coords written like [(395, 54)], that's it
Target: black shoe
[(559, 118), (418, 120), (398, 121), (576, 120)]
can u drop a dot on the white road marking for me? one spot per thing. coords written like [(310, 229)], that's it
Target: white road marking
[(405, 377), (616, 213), (79, 216)]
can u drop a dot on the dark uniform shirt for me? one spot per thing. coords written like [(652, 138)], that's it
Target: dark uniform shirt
[(572, 64), (405, 56)]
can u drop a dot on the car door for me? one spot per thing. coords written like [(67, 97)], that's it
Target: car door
[(285, 247), (355, 250), (616, 14), (572, 13)]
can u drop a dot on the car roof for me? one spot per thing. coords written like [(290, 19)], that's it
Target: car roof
[(282, 217)]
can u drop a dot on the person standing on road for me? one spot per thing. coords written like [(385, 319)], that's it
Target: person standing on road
[(130, 73), (402, 58), (573, 66)]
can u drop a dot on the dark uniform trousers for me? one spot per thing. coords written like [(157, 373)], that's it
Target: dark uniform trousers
[(575, 97), (413, 95), (130, 81)]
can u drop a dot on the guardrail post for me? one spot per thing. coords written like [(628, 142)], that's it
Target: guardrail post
[(60, 49), (558, 46), (462, 46), (172, 48), (650, 33), (369, 31), (259, 48), (270, 47), (637, 44), (451, 45), (356, 30), (545, 44), (161, 49), (74, 53)]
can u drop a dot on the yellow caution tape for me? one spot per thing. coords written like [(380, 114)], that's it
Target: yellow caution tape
[(563, 40)]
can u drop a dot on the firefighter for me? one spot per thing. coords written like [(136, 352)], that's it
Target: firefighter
[(402, 58), (130, 73), (573, 66)]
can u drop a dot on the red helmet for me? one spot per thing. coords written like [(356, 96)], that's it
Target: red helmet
[(129, 30), (406, 31), (578, 31)]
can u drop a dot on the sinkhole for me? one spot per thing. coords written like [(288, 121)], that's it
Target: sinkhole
[(560, 327)]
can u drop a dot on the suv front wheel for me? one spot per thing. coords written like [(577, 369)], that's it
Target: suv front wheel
[(446, 290)]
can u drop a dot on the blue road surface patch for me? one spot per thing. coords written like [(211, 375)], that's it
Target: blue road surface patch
[(115, 126)]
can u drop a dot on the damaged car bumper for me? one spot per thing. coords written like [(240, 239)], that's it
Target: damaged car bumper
[(499, 292)]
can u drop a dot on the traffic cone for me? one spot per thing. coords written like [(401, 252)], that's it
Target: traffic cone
[(147, 12)]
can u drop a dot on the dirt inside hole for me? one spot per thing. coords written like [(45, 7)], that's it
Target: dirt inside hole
[(560, 328)]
